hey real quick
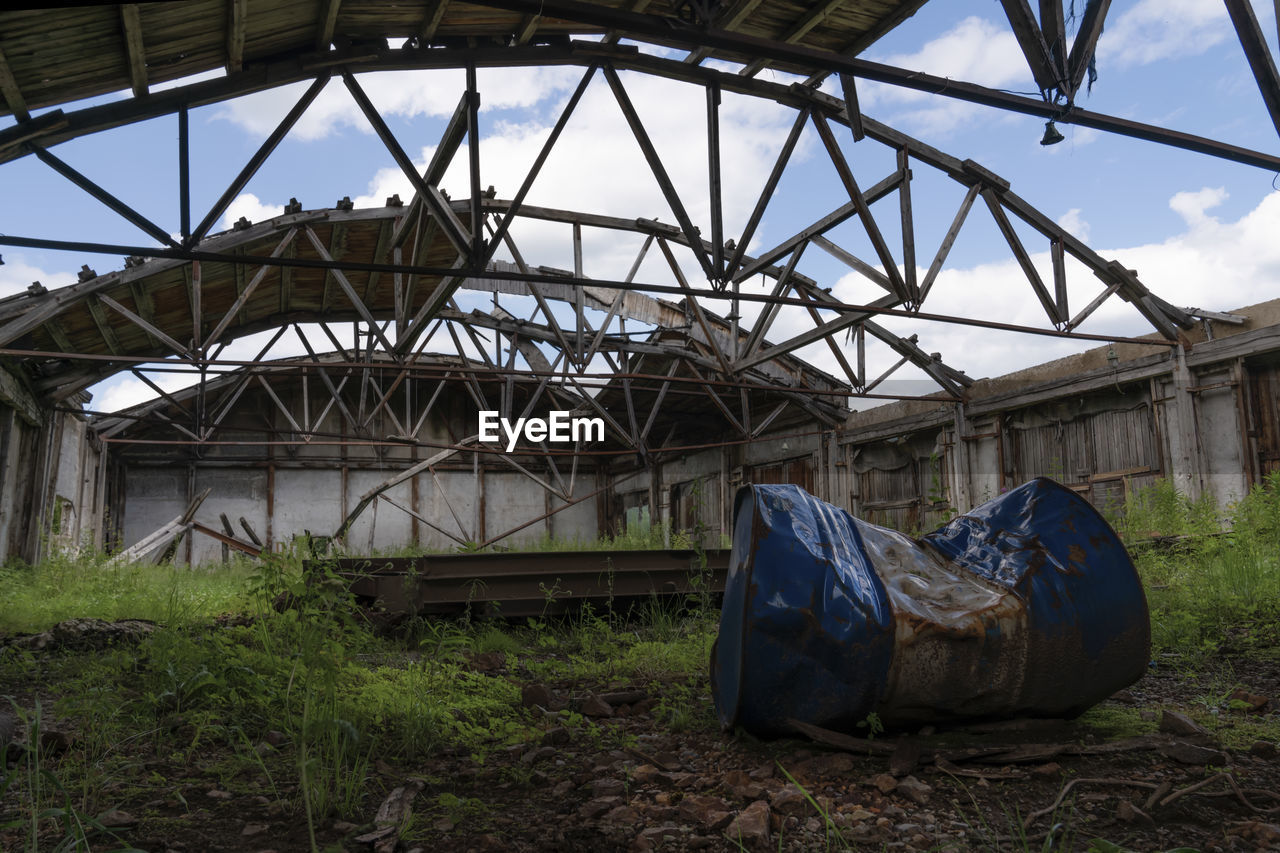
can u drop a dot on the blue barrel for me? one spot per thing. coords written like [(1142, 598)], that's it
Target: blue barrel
[(1027, 606)]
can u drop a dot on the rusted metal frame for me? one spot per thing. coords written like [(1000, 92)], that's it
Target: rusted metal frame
[(631, 414), (542, 305), (855, 379), (149, 328), (471, 384), (579, 303), (473, 167), (1085, 42), (337, 243), (657, 402), (12, 92), (237, 17), (659, 171), (568, 503), (862, 206), (381, 404), (1024, 259), (234, 393), (1057, 256), (471, 333), (766, 259), (57, 127), (431, 19), (860, 344), (446, 286), (720, 404), (333, 339), (883, 376), (328, 22), (454, 132), (131, 23), (333, 400), (824, 329), (119, 207), (746, 411), (435, 478), (395, 480), (335, 392), (756, 336), (945, 375), (507, 458), (249, 288), (1034, 47), (184, 173), (259, 157), (542, 385), (350, 291), (944, 248), (161, 392), (796, 32), (555, 471), (768, 419), (262, 380), (1053, 28), (766, 194), (1258, 53), (728, 20), (458, 236), (692, 302), (195, 290), (713, 180), (853, 262), (602, 412), (400, 377), (908, 227), (617, 300), (431, 402), (535, 169), (1093, 306), (424, 520)]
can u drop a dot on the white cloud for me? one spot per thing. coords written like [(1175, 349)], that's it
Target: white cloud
[(1153, 30), (16, 276), (1191, 206), (405, 94), (1073, 222), (250, 207), (974, 50)]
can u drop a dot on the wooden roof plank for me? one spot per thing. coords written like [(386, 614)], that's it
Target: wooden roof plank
[(131, 20), (12, 93)]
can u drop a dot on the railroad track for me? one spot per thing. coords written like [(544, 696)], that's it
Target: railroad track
[(521, 584)]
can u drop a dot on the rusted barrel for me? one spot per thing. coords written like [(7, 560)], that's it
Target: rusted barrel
[(1027, 606)]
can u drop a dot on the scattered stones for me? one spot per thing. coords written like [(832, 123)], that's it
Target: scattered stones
[(905, 757), (252, 829), (216, 794), (884, 783), (625, 697), (1127, 812), (594, 706), (487, 661), (1242, 700), (1171, 722), (789, 800), (86, 634), (608, 788), (594, 808), (622, 816), (914, 789), (751, 826), (542, 753)]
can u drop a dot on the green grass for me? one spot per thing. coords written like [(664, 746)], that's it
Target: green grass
[(90, 586)]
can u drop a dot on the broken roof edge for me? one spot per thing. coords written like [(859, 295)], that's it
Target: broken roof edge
[(1053, 378)]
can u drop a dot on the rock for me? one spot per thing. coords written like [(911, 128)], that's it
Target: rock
[(1147, 715), (914, 789), (1171, 722), (54, 742), (621, 816), (215, 794), (542, 753), (252, 829), (751, 826), (1250, 703), (827, 766), (344, 827), (668, 761), (1125, 697), (594, 706), (647, 774), (1051, 769), (595, 808), (1265, 835), (608, 788), (705, 811), (1264, 749), (557, 736), (763, 772), (858, 813), (275, 738), (562, 789), (535, 694), (1189, 753), (884, 783), (789, 800), (86, 634), (117, 819)]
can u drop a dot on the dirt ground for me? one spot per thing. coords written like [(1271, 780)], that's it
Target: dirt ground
[(1181, 759)]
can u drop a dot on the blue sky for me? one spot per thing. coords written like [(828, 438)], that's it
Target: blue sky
[(1199, 230)]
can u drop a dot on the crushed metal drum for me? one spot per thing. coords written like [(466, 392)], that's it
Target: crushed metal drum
[(1027, 606)]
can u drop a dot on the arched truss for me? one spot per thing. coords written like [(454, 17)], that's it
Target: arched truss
[(396, 270)]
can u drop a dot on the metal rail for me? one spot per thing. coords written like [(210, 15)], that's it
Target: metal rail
[(522, 584)]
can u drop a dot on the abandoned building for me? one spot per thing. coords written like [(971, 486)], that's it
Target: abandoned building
[(370, 435)]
